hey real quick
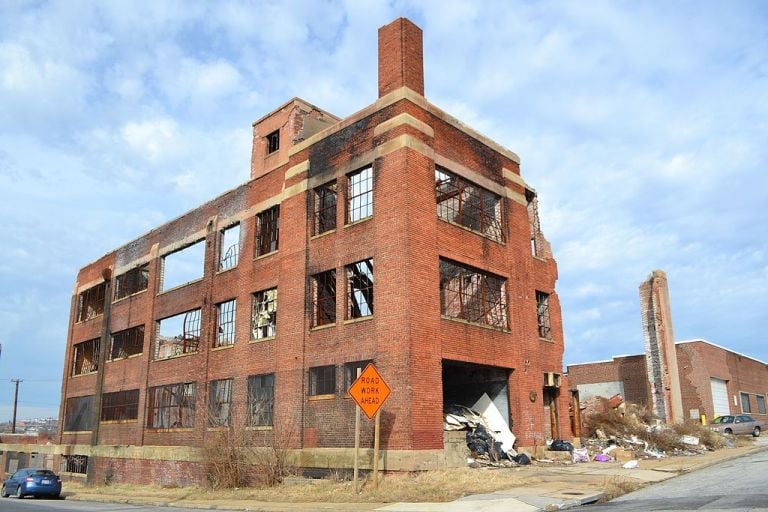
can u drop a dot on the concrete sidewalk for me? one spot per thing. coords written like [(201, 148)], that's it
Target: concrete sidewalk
[(546, 487)]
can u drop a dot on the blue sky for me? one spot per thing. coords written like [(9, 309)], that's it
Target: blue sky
[(642, 125)]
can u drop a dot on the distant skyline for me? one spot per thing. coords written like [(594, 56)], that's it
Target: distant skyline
[(642, 126)]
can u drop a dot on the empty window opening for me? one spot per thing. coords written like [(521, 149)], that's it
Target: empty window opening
[(324, 205), (74, 464), (350, 371), (360, 289), (534, 224), (127, 343), (86, 357), (183, 266), (131, 282), (78, 414), (178, 335), (542, 315), (261, 400), (324, 298), (273, 141), (322, 380), (220, 403), (229, 247), (745, 405), (760, 404), (267, 231), (225, 323), (360, 194), (264, 314), (171, 406), (120, 405), (465, 384), (467, 204), (472, 295), (90, 303)]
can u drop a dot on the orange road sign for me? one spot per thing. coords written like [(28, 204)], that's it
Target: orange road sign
[(369, 391)]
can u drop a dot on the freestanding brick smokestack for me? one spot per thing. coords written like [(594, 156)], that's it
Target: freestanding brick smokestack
[(660, 352), (401, 57)]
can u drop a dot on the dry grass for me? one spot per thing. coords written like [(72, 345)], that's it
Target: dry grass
[(617, 486), (437, 486)]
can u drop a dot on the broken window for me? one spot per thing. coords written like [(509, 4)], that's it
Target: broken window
[(177, 335), (90, 303), (322, 380), (350, 371), (467, 204), (360, 194), (229, 247), (324, 298), (534, 223), (120, 405), (542, 315), (133, 281), (760, 404), (273, 141), (745, 406), (472, 295), (78, 414), (86, 358), (267, 230), (219, 402), (264, 314), (171, 406), (129, 342), (74, 464), (261, 400), (183, 266), (225, 323), (324, 208), (360, 289)]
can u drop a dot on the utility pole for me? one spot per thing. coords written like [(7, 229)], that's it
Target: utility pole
[(15, 402)]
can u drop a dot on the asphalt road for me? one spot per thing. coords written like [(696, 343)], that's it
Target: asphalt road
[(47, 505), (736, 485)]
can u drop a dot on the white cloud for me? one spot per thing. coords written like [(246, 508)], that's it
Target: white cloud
[(155, 139)]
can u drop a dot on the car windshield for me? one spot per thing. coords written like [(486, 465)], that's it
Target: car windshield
[(723, 419)]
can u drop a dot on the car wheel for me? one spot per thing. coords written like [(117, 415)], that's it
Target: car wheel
[(19, 493), (728, 431), (4, 493), (756, 432)]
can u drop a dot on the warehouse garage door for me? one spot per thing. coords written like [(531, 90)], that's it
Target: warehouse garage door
[(719, 397)]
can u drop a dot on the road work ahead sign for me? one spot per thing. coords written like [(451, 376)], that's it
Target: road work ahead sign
[(369, 391)]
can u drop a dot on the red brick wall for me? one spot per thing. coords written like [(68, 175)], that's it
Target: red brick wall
[(630, 370)]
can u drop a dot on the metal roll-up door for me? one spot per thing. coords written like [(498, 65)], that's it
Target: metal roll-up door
[(719, 397)]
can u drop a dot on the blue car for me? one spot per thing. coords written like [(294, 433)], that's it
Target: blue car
[(32, 482)]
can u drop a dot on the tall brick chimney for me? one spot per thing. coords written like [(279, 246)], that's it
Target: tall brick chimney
[(401, 57)]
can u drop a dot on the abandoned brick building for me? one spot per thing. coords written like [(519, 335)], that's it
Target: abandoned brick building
[(397, 235)]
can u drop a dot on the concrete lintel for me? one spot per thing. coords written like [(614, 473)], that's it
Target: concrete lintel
[(404, 119), (297, 169)]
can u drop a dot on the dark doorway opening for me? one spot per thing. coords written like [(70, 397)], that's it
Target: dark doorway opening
[(465, 383)]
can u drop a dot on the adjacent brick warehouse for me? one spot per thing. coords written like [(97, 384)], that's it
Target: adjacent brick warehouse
[(422, 230), (699, 363)]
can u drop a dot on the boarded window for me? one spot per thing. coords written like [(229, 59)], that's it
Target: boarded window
[(86, 357), (120, 405), (183, 266), (472, 295), (542, 315), (264, 314), (467, 204), (360, 194), (129, 342), (267, 231), (324, 208), (322, 380), (225, 323), (360, 289), (261, 400), (350, 371), (745, 405), (171, 406), (78, 414), (324, 298), (178, 335), (229, 247), (90, 303), (220, 402), (133, 281)]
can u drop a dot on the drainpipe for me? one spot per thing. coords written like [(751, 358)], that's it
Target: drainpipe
[(103, 349)]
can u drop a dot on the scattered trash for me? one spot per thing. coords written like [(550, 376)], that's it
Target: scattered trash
[(631, 464), (558, 445), (522, 459), (691, 440), (580, 455), (488, 436), (601, 457)]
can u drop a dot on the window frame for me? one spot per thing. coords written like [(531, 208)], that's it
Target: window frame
[(273, 142), (350, 372), (324, 298), (496, 316), (226, 323), (256, 416), (229, 256), (174, 399), (543, 317), (133, 342), (220, 410), (258, 300), (90, 302), (360, 295), (477, 208), (764, 409), (82, 408), (267, 239), (80, 362), (360, 200), (320, 382), (125, 406), (321, 208), (135, 280), (189, 345), (748, 408)]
